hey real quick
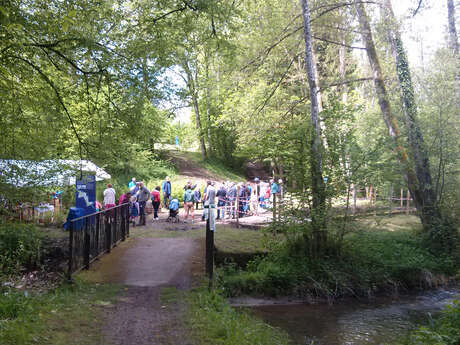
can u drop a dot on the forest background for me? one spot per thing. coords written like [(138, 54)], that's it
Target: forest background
[(99, 81), (283, 83)]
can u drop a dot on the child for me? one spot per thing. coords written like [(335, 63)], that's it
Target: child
[(173, 210), (133, 210)]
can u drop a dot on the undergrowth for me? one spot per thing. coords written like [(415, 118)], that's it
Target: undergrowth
[(444, 330), (213, 321), (367, 263), (19, 246), (52, 318)]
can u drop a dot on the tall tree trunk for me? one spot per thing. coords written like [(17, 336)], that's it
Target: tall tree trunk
[(453, 39), (318, 188), (424, 194), (208, 108), (191, 83), (453, 43), (421, 190)]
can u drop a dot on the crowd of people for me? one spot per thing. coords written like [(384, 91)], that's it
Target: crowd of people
[(219, 199)]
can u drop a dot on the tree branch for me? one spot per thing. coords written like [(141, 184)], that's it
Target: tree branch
[(345, 82), (259, 108), (337, 43), (58, 96)]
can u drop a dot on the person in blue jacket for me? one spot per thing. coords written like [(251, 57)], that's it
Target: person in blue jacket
[(274, 188), (173, 207), (166, 189)]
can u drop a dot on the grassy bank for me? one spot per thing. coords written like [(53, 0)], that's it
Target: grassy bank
[(212, 321), (71, 314), (378, 256)]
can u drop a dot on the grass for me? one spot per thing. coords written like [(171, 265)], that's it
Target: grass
[(215, 167), (227, 238), (213, 321), (400, 223), (71, 314), (443, 330), (377, 257)]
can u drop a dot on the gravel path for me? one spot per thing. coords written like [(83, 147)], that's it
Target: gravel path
[(146, 266)]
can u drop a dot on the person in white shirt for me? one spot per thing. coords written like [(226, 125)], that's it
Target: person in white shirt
[(109, 196)]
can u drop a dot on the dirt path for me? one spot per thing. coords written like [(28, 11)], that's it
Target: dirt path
[(189, 168), (146, 267)]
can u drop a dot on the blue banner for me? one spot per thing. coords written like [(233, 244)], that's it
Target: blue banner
[(85, 192)]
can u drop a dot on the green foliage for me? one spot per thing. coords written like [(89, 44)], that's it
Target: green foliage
[(441, 331), (368, 262), (13, 305), (50, 318), (213, 321), (19, 246)]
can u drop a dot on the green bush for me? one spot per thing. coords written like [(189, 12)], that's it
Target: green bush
[(369, 262), (12, 305), (443, 331), (19, 246)]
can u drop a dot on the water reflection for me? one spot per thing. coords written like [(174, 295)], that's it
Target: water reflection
[(381, 321)]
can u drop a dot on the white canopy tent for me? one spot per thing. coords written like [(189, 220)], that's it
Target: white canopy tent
[(25, 173)]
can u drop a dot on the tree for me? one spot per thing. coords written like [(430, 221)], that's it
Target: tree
[(416, 172), (453, 39), (316, 169)]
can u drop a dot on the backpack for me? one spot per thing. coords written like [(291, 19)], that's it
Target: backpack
[(189, 195)]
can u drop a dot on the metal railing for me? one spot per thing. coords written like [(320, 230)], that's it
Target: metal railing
[(93, 235)]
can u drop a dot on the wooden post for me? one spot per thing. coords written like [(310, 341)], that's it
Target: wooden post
[(69, 272), (390, 199), (402, 198), (354, 199), (87, 243), (237, 207), (408, 202), (209, 252)]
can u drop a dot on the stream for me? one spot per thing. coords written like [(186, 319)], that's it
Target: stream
[(352, 322)]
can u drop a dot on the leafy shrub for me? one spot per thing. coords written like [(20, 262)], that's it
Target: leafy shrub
[(443, 331), (12, 305), (19, 246), (368, 262)]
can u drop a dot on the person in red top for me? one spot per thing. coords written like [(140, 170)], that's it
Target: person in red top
[(156, 201)]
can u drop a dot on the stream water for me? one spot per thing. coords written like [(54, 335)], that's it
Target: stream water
[(382, 321)]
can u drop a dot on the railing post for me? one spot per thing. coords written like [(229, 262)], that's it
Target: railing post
[(98, 229), (408, 202), (115, 221), (209, 250), (126, 210), (237, 210), (108, 233), (87, 244), (390, 199), (69, 273), (123, 223)]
